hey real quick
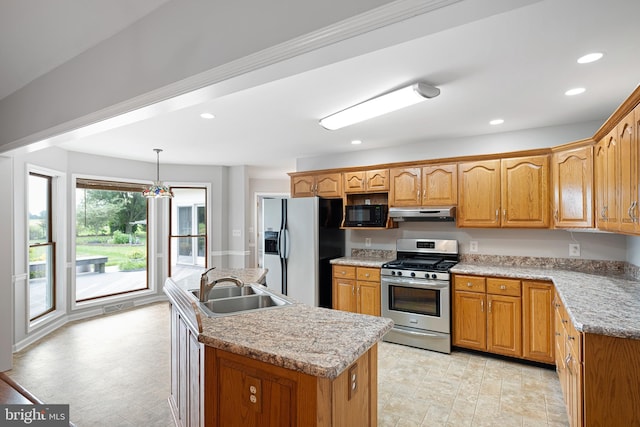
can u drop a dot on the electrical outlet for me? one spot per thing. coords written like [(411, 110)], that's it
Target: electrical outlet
[(574, 249), (473, 246), (367, 241)]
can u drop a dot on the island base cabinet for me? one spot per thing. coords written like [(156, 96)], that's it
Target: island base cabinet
[(245, 392), (186, 380), (611, 381)]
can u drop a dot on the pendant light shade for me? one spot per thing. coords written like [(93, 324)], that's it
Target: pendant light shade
[(157, 189)]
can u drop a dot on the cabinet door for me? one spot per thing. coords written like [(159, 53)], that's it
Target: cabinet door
[(344, 295), (573, 188), (329, 185), (628, 161), (525, 192), (538, 321), (440, 185), (470, 324), (249, 397), (405, 187), (354, 182), (302, 186), (377, 180), (504, 324), (368, 294), (606, 180), (479, 194), (195, 389)]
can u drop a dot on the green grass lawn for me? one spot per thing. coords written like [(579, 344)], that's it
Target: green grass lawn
[(117, 254)]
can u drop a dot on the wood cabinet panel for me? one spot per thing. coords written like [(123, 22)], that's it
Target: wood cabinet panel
[(440, 185), (502, 286), (606, 182), (375, 180), (538, 321), (405, 187), (628, 169), (525, 192), (504, 324), (573, 188), (479, 194), (321, 185), (470, 320), (303, 186), (357, 296), (469, 283)]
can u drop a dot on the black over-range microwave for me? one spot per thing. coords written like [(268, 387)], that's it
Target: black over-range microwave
[(365, 216)]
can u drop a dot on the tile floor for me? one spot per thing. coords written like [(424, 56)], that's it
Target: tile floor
[(114, 371)]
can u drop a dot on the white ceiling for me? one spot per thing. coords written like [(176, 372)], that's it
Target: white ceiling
[(515, 66)]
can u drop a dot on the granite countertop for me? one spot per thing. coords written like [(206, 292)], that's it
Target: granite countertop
[(316, 341), (360, 261), (605, 304)]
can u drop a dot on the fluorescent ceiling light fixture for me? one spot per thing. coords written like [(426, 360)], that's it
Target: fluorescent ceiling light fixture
[(496, 122), (380, 105), (575, 91), (590, 57), (356, 142), (207, 116)]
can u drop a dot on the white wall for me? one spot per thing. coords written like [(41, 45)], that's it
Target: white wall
[(520, 242), (180, 40), (633, 250), (6, 263), (473, 145)]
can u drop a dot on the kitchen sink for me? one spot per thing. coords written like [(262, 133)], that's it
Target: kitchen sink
[(230, 300), (225, 292)]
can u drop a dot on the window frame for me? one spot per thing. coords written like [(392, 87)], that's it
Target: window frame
[(50, 242), (194, 207)]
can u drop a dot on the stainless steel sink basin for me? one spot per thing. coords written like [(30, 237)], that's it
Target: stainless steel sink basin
[(225, 292), (230, 300), (245, 303)]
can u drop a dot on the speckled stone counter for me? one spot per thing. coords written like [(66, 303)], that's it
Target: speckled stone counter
[(360, 261), (312, 340), (607, 304)]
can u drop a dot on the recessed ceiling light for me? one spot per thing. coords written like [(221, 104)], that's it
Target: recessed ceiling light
[(575, 91), (356, 142), (590, 57), (496, 122), (207, 116)]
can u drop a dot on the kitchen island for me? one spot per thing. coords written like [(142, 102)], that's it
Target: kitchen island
[(291, 365)]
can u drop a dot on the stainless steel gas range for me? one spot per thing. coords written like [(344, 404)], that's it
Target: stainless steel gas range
[(416, 293)]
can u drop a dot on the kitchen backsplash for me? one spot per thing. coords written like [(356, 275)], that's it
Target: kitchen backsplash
[(373, 253), (585, 265)]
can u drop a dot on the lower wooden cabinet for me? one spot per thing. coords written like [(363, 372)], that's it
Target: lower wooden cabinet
[(243, 392), (504, 316), (356, 289), (537, 320)]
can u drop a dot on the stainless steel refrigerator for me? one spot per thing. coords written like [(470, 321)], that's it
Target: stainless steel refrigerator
[(301, 236)]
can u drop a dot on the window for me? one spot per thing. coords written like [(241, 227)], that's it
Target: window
[(111, 239), (42, 277), (188, 234)]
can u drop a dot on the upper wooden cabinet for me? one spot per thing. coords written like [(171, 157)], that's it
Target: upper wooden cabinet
[(572, 177), (321, 185), (370, 181), (627, 136), (479, 194), (606, 163), (433, 185), (511, 192)]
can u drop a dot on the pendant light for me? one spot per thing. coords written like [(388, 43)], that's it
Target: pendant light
[(157, 189)]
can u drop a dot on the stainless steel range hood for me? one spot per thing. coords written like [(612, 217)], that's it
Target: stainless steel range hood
[(423, 213)]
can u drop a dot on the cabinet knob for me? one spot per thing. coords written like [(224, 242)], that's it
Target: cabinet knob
[(503, 287), (343, 272), (469, 285), (366, 275)]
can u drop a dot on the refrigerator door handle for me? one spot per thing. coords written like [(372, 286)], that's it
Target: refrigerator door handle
[(284, 253)]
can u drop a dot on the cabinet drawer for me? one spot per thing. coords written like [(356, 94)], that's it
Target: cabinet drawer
[(497, 286), (470, 283), (369, 274), (344, 271)]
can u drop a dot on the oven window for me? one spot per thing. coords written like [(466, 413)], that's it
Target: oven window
[(414, 300)]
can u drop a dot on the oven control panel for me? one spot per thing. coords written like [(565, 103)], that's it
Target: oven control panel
[(413, 274)]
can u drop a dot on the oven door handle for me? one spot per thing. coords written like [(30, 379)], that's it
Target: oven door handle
[(420, 334), (415, 283)]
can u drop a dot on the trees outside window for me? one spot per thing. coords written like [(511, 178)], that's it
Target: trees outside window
[(111, 239)]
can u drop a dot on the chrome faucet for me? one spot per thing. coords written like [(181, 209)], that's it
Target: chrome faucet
[(206, 286)]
